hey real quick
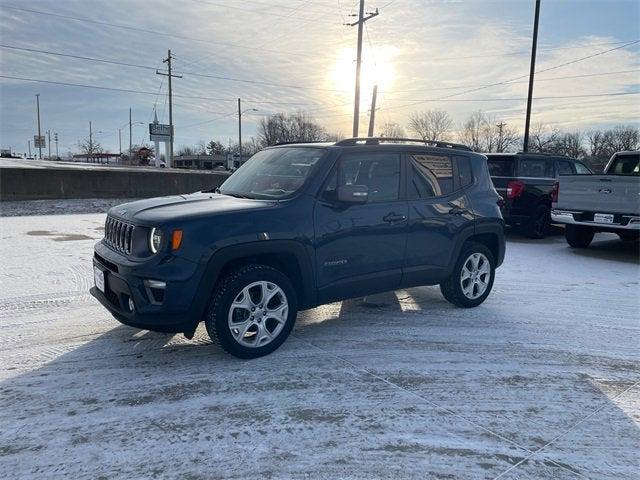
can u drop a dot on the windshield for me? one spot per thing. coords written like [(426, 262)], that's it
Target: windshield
[(625, 165), (275, 173)]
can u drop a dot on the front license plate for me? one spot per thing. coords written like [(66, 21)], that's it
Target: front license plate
[(603, 218), (98, 276)]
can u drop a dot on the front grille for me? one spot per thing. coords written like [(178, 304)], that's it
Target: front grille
[(118, 235)]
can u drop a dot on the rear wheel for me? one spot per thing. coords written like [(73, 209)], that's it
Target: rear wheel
[(578, 236), (540, 222), (629, 236), (472, 278), (252, 311)]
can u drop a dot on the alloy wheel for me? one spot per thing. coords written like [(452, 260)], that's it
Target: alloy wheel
[(475, 276), (258, 314)]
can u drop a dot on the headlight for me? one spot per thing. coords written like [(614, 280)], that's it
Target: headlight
[(155, 240)]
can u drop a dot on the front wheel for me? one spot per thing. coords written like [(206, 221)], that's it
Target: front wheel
[(252, 311), (472, 278), (578, 236)]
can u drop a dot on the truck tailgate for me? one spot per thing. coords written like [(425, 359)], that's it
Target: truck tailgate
[(599, 193)]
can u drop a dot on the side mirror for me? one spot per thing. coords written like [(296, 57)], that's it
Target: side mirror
[(353, 194)]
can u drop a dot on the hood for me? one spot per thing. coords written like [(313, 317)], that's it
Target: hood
[(161, 210)]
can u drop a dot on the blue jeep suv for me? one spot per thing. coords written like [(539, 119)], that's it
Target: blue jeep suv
[(298, 226)]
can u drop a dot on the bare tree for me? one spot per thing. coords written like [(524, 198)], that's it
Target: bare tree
[(543, 138), (602, 144), (483, 133), (89, 146), (391, 130), (283, 127), (431, 124)]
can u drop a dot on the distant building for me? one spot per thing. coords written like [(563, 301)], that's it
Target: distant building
[(200, 162)]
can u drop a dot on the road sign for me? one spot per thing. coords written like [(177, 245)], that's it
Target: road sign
[(159, 132), (39, 141)]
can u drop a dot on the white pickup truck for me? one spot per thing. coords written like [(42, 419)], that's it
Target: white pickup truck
[(587, 204)]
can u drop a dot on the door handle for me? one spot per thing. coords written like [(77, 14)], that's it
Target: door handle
[(458, 211), (394, 218)]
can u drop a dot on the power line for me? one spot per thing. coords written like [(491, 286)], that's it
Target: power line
[(504, 82), (152, 32), (234, 7), (149, 67), (145, 92), (586, 75)]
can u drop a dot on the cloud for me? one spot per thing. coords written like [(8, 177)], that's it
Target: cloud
[(423, 49)]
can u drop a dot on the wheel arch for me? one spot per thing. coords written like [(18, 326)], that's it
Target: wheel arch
[(288, 256)]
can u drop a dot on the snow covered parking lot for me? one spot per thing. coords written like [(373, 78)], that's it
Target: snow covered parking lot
[(541, 381)]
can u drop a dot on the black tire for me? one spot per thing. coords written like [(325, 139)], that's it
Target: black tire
[(451, 288), (578, 236), (228, 289), (629, 236), (540, 222)]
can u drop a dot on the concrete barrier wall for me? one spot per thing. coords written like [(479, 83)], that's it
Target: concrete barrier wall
[(43, 183)]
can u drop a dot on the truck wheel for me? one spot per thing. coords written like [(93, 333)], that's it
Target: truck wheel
[(629, 236), (540, 221), (578, 236), (472, 278), (252, 311)]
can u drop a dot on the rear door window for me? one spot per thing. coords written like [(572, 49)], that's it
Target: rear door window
[(581, 169), (535, 168), (501, 166), (625, 165), (430, 176), (564, 167)]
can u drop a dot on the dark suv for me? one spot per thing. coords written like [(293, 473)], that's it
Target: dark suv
[(299, 226), (526, 181)]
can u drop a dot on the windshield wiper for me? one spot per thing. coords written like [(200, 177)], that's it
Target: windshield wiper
[(234, 194)]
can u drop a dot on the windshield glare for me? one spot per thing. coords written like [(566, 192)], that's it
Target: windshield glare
[(273, 174)]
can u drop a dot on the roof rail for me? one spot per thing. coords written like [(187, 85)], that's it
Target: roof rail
[(544, 154), (378, 140), (295, 142)]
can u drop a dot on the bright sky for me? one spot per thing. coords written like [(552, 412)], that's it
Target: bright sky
[(288, 55)]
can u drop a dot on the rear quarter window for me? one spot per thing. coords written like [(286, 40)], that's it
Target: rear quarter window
[(535, 168), (625, 165), (501, 166)]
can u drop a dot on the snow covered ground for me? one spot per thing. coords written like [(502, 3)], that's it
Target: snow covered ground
[(541, 381)]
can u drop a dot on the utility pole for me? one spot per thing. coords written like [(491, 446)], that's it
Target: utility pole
[(130, 145), (500, 126), (120, 140), (29, 143), (90, 141), (356, 104), (239, 132), (49, 137), (372, 116), (55, 137), (169, 75), (39, 143), (534, 47)]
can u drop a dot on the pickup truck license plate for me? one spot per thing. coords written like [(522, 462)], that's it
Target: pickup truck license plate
[(98, 276), (603, 218)]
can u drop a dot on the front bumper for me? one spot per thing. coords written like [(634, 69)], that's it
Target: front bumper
[(174, 309), (621, 222)]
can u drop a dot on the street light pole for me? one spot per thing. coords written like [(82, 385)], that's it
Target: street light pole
[(39, 142), (239, 132), (240, 113), (49, 137)]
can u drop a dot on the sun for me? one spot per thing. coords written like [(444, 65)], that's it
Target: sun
[(377, 69)]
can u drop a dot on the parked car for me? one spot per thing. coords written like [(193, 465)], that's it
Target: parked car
[(525, 181), (299, 226), (587, 204)]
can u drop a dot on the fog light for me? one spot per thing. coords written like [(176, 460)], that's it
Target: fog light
[(131, 305)]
